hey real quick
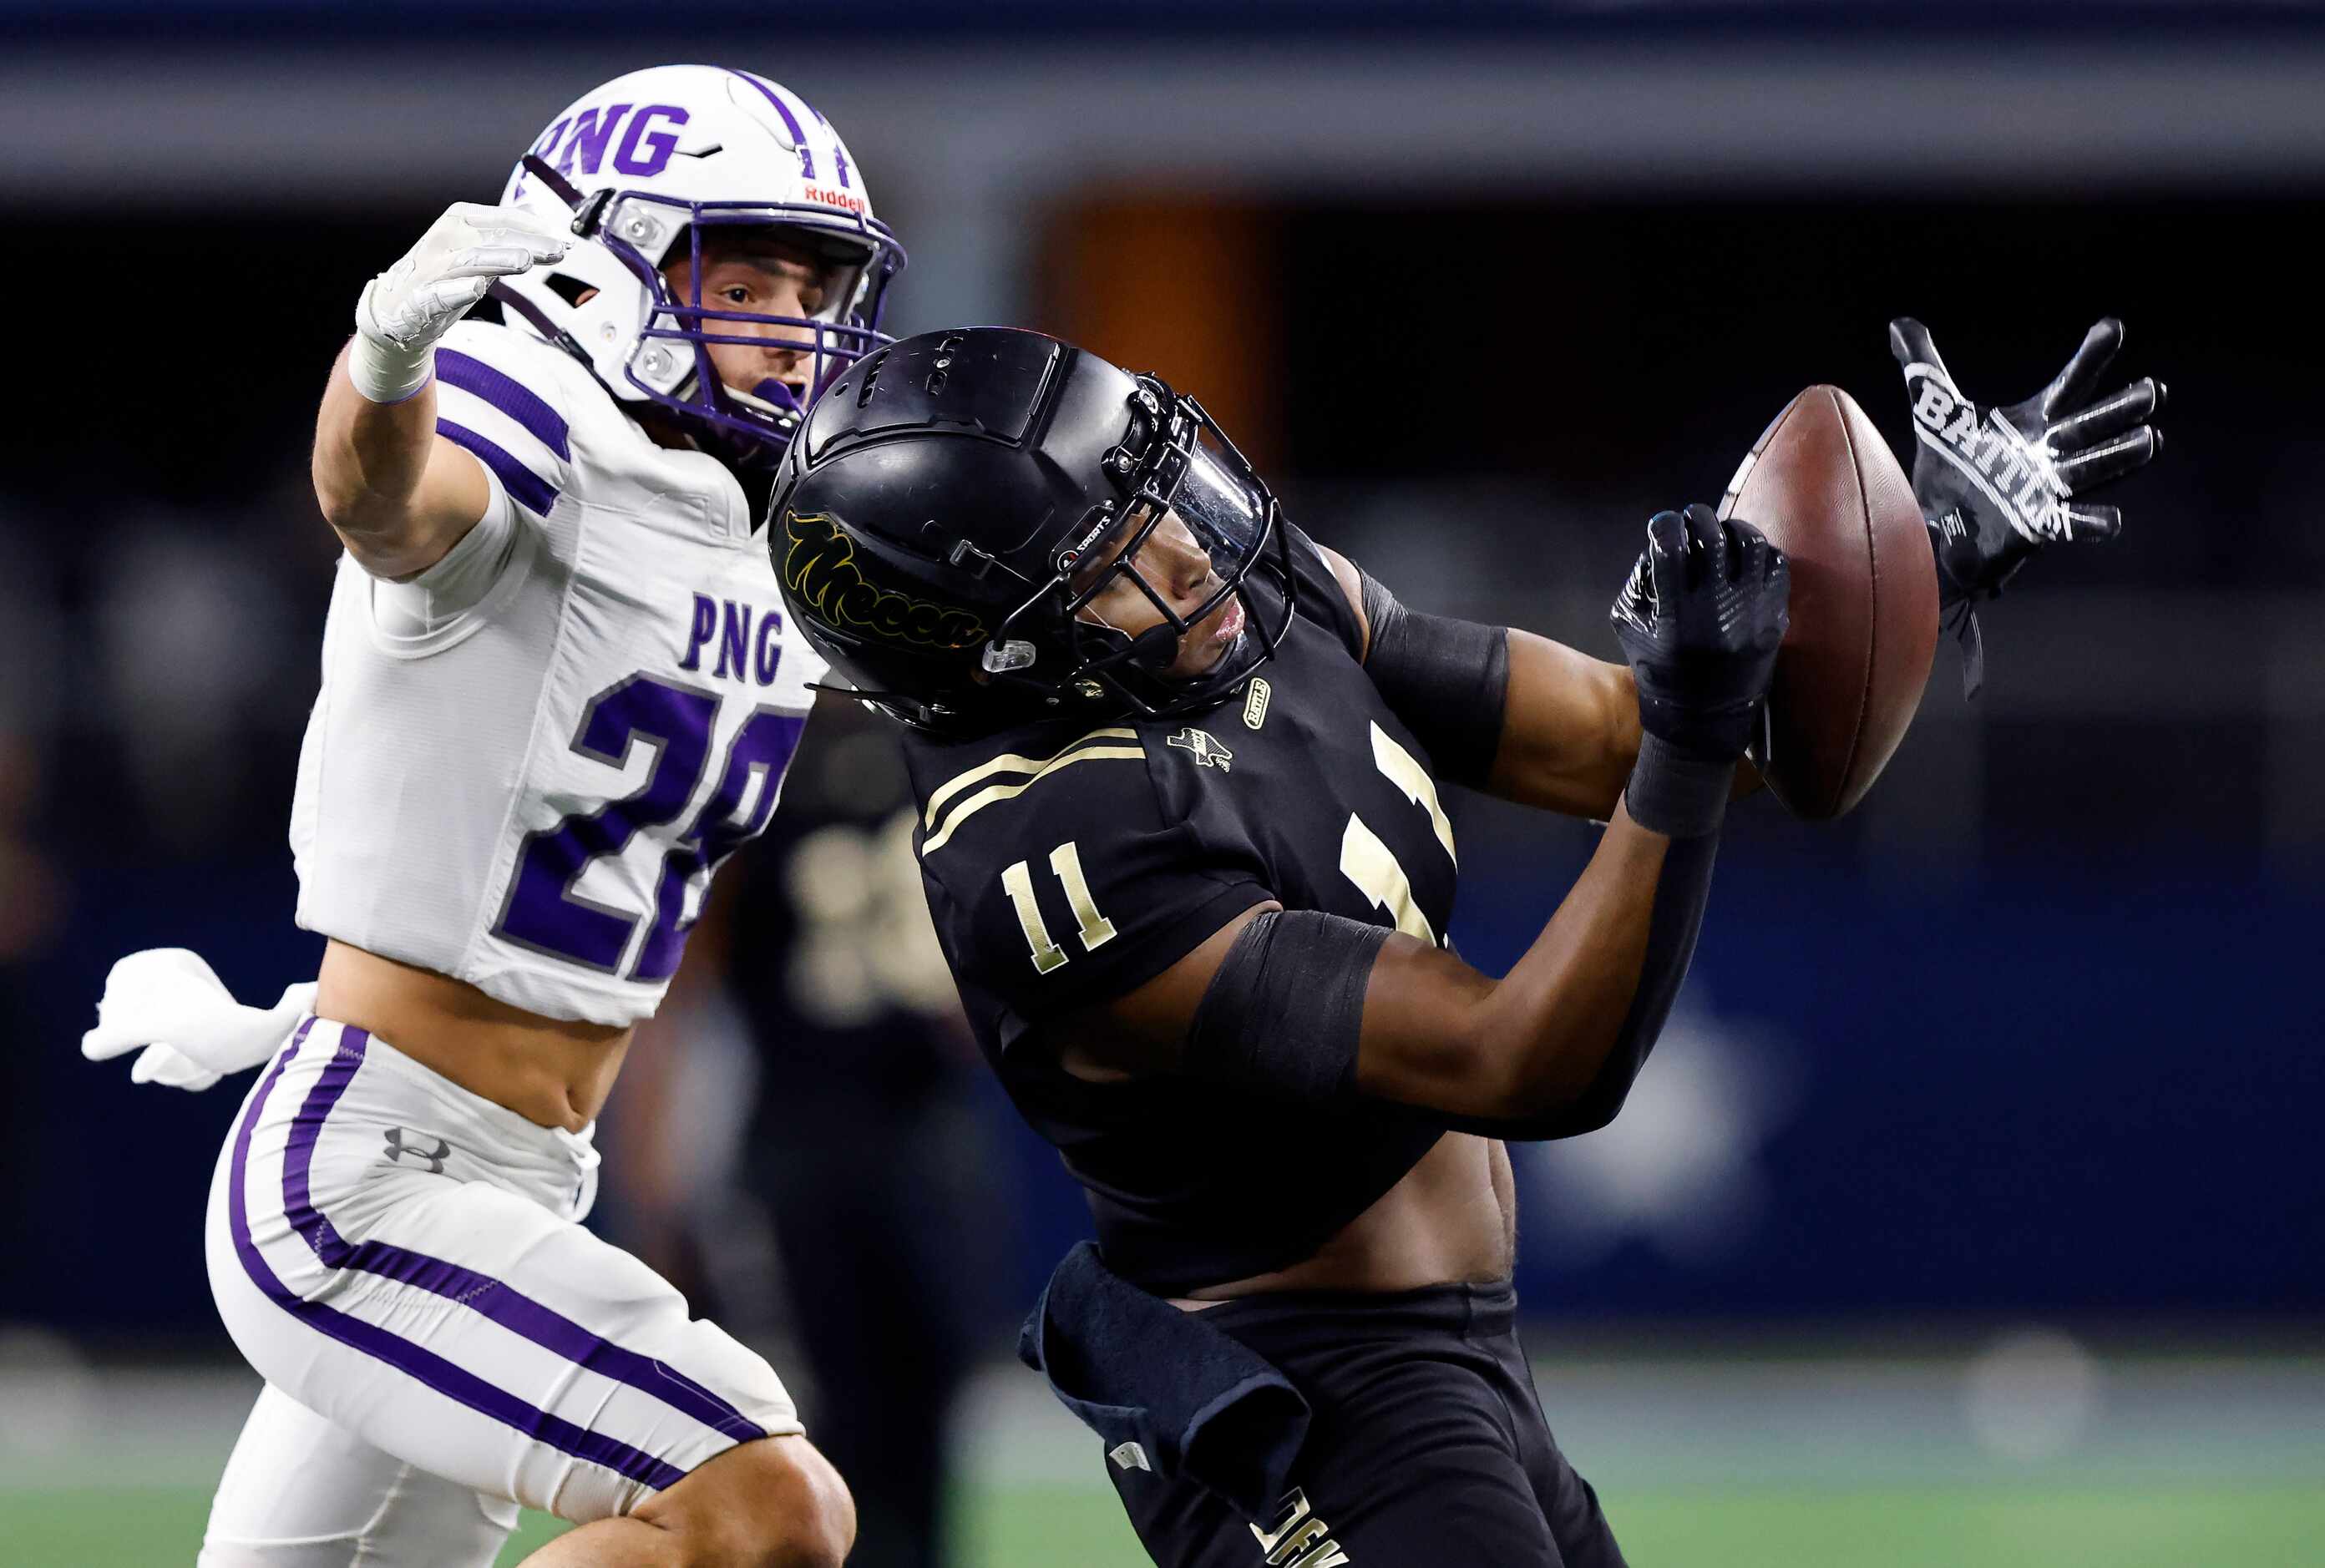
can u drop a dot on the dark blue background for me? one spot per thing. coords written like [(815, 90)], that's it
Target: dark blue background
[(2084, 1089)]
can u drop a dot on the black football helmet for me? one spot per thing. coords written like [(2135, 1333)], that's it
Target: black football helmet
[(928, 522)]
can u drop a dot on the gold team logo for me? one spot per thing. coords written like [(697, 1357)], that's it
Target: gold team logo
[(1298, 1538), (820, 571), (1208, 753)]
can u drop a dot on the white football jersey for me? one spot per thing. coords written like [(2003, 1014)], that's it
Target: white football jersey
[(526, 763)]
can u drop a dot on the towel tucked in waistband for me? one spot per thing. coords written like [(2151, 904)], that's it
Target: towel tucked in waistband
[(1138, 1370)]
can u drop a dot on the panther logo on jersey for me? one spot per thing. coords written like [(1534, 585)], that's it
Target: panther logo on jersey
[(820, 568), (1206, 752)]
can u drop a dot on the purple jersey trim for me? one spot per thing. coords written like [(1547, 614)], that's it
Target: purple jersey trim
[(507, 393), (528, 488), (481, 1294), (454, 1383), (790, 121)]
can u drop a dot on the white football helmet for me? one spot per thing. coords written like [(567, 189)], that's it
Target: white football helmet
[(637, 168)]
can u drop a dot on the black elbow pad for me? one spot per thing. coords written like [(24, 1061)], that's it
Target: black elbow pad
[(1283, 1014), (1445, 679)]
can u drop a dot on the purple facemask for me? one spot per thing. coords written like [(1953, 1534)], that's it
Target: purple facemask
[(673, 364)]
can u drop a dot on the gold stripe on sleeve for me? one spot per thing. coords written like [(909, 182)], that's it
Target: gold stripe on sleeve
[(1010, 762), (996, 792)]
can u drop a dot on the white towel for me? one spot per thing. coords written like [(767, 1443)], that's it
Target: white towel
[(194, 1033)]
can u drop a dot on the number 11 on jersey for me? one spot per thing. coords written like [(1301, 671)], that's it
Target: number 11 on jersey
[(1017, 881)]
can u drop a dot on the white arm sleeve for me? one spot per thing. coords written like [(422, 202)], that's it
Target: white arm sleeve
[(426, 608)]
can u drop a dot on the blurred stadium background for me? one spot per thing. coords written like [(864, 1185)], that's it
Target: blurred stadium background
[(1972, 1211)]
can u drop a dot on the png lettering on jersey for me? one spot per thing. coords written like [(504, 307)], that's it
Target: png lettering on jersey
[(749, 641)]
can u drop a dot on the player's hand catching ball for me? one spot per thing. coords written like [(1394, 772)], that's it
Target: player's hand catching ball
[(1700, 619), (406, 309), (1998, 483)]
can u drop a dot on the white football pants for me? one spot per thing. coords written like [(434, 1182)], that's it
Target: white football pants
[(404, 1263)]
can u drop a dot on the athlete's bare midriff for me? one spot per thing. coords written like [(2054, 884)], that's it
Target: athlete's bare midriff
[(1452, 1219), (554, 1072)]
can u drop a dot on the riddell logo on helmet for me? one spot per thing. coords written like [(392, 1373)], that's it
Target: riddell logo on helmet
[(820, 571), (830, 197)]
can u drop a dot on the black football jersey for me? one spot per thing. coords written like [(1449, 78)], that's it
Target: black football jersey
[(1068, 865)]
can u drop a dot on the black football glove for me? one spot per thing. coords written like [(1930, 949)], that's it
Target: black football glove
[(1998, 483), (1700, 619)]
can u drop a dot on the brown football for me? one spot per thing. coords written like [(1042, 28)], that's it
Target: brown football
[(1821, 483)]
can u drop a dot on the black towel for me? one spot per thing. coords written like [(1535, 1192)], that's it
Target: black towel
[(1136, 1370)]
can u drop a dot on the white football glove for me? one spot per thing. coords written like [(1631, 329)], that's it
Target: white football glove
[(168, 995), (406, 309)]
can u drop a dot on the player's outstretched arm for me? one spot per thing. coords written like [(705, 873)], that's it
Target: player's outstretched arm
[(1314, 1006), (1519, 716), (1570, 729), (1570, 732), (398, 494)]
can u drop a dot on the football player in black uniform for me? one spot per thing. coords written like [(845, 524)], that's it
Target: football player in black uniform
[(1177, 768)]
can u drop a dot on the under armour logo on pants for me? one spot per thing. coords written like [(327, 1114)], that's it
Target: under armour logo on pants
[(397, 1149)]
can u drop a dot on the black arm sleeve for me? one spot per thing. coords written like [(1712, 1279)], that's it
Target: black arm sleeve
[(1680, 894), (1447, 679), (1282, 1013)]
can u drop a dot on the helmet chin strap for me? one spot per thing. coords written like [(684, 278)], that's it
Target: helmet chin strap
[(1153, 649), (509, 299), (737, 450), (586, 209), (743, 454)]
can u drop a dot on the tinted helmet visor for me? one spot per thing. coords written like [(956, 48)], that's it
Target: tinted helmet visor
[(1191, 481)]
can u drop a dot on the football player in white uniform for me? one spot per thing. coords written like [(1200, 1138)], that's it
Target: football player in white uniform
[(557, 690)]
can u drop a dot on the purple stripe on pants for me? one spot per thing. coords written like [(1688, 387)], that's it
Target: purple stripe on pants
[(511, 396), (522, 482), (481, 1294), (425, 1366), (430, 1370)]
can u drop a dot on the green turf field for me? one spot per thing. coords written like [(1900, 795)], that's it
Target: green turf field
[(2046, 1458), (1037, 1526)]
